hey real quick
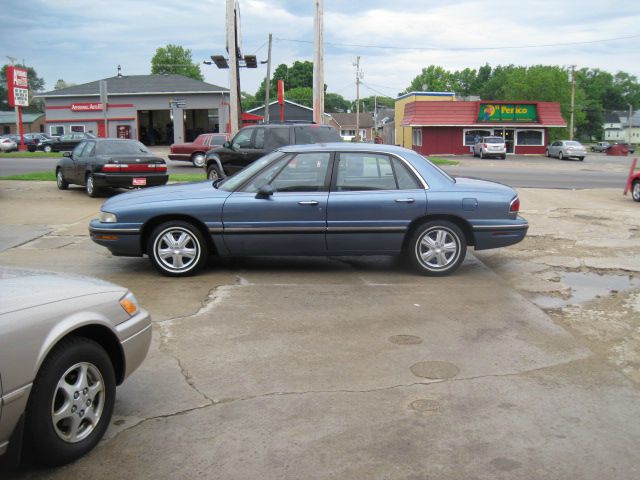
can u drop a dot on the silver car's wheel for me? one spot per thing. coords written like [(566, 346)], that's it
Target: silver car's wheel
[(60, 181), (47, 148), (546, 153), (635, 191), (437, 248), (177, 249), (71, 402), (198, 159), (560, 156)]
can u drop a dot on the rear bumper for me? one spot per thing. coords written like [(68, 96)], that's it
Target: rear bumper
[(120, 180), (502, 234)]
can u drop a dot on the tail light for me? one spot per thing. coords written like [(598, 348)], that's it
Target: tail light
[(135, 167), (515, 205), (485, 145)]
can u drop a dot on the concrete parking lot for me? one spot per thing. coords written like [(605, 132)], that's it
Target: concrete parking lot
[(524, 364)]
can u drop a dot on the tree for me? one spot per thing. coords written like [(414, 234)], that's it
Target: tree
[(175, 59), (36, 84), (334, 102), (60, 84), (301, 95)]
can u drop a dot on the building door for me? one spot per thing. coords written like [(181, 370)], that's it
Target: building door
[(508, 139), (102, 132)]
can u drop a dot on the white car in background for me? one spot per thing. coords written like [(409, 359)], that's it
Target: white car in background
[(490, 147), (7, 144)]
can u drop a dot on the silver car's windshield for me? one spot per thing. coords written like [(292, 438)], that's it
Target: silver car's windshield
[(231, 183)]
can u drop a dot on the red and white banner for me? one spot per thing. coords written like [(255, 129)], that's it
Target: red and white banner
[(86, 107), (18, 86)]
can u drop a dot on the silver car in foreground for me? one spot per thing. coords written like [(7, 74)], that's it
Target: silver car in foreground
[(566, 149), (65, 343)]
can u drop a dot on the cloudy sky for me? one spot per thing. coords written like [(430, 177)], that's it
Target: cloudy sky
[(84, 40)]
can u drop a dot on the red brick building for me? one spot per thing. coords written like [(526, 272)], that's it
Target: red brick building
[(453, 127)]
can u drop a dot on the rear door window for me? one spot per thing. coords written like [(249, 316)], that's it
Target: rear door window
[(315, 134), (276, 138)]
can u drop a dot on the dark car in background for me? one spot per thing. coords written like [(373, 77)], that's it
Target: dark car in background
[(195, 151), (252, 142), (600, 147), (35, 139), (323, 199), (65, 143), (110, 162)]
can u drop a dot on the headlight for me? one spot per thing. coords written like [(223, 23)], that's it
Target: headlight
[(106, 217), (130, 304)]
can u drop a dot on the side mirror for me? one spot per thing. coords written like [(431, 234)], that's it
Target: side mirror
[(67, 154), (264, 191), (226, 145)]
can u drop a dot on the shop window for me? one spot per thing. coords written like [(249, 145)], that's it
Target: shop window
[(529, 137), (470, 136), (417, 137), (77, 129), (6, 129), (56, 130)]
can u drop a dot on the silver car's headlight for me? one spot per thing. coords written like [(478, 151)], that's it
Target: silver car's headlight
[(106, 217), (130, 304)]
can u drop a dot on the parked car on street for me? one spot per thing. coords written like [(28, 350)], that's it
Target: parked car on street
[(322, 199), (35, 139), (600, 147), (490, 147), (566, 149), (252, 142), (7, 144), (65, 343), (195, 151), (64, 143), (110, 162)]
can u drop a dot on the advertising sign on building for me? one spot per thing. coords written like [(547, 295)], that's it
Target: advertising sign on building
[(502, 112), (86, 107), (18, 86)]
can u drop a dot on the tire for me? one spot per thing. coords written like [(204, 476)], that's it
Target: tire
[(67, 416), (47, 148), (581, 159), (90, 186), (560, 156), (547, 154), (198, 159), (504, 157), (426, 248), (179, 240), (213, 172), (60, 181), (635, 190)]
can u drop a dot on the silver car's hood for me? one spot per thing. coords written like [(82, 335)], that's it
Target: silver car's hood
[(21, 289)]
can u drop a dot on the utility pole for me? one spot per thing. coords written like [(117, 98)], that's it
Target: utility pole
[(573, 96), (13, 62), (630, 124), (268, 84), (357, 65), (234, 73), (318, 62)]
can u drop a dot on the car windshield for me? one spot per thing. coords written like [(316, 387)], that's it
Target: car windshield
[(493, 140), (116, 147), (573, 144), (229, 184)]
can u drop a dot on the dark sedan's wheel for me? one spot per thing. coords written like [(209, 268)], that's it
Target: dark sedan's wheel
[(177, 249), (60, 181), (437, 248), (71, 402), (635, 191), (560, 156), (198, 159), (47, 148), (213, 172), (90, 186)]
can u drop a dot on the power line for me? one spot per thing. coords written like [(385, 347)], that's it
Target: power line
[(376, 91), (503, 47)]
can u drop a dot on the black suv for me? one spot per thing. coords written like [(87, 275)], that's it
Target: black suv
[(251, 143)]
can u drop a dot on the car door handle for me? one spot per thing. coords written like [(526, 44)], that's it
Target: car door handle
[(405, 200), (309, 202)]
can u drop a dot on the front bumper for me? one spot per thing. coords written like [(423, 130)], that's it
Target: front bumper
[(135, 338), (499, 234), (125, 180), (121, 239)]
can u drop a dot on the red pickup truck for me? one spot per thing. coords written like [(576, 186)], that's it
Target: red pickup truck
[(195, 151)]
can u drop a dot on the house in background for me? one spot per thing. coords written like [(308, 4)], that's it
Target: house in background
[(31, 122), (291, 112), (345, 123), (618, 128)]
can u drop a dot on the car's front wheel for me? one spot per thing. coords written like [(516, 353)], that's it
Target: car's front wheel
[(635, 191), (437, 248), (60, 181), (71, 401), (177, 249), (47, 148), (213, 172), (546, 153), (198, 160)]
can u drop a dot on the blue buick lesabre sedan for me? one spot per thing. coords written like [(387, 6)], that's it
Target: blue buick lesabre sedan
[(321, 199)]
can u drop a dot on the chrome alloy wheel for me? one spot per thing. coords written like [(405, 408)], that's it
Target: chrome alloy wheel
[(635, 191), (198, 160), (176, 249), (78, 402), (437, 248)]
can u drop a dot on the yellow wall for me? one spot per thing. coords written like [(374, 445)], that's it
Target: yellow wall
[(403, 134)]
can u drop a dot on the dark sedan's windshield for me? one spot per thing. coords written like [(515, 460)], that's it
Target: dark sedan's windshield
[(231, 183), (118, 147)]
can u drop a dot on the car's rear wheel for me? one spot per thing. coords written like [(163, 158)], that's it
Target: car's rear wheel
[(437, 248), (581, 159), (71, 401), (635, 191), (60, 181), (213, 172), (90, 186), (560, 156), (47, 148), (198, 160), (177, 249)]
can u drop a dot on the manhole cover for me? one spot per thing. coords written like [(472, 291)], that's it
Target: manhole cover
[(406, 339), (425, 405), (435, 370)]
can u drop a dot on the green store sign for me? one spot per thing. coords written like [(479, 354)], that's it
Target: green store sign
[(502, 112)]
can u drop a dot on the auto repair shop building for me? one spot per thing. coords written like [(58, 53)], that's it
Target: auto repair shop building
[(155, 109), (451, 127)]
